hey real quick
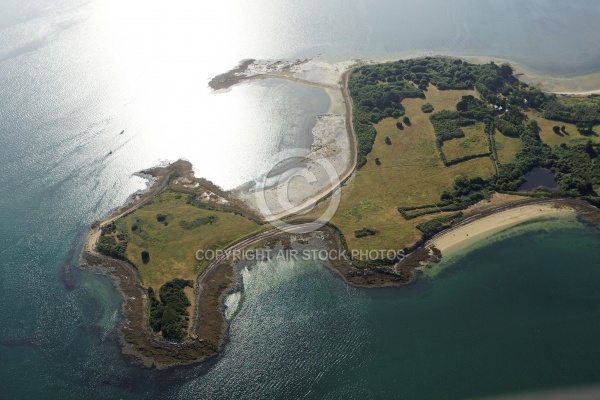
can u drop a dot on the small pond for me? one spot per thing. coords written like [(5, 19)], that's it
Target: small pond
[(539, 178)]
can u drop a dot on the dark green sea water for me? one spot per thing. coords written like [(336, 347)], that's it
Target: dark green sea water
[(515, 315)]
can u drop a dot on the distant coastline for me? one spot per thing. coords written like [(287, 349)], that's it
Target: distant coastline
[(575, 85)]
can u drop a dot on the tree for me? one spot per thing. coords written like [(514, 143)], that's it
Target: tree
[(406, 120), (535, 126), (556, 129), (589, 149), (388, 141), (427, 108), (377, 161), (506, 71), (399, 125)]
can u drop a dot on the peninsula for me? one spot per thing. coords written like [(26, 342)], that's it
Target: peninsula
[(429, 152)]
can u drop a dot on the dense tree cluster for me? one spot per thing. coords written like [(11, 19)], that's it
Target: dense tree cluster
[(168, 314), (576, 168), (507, 128), (112, 242), (447, 125), (111, 246)]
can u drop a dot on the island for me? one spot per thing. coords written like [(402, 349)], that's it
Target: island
[(430, 152)]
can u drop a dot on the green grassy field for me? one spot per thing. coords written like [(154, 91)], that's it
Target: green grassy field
[(474, 142), (411, 173), (172, 248), (507, 147), (570, 136)]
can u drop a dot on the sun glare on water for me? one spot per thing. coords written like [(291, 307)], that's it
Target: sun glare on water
[(165, 56)]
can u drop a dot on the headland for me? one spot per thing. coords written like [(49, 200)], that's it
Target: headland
[(435, 151)]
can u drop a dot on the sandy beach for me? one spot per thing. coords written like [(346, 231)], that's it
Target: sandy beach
[(476, 228), (334, 141)]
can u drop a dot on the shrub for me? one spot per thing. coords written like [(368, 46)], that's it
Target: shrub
[(427, 108), (365, 232), (145, 257)]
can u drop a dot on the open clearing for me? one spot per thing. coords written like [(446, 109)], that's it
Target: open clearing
[(474, 142), (172, 248), (411, 173), (507, 147), (570, 136)]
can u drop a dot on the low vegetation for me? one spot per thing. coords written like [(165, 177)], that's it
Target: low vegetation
[(364, 232), (427, 108), (430, 228), (198, 222), (170, 230)]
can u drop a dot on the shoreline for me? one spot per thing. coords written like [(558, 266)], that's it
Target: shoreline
[(208, 325), (348, 171), (327, 77), (473, 230), (575, 85), (572, 85)]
